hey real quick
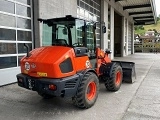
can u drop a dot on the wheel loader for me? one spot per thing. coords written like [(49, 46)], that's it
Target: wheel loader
[(69, 63)]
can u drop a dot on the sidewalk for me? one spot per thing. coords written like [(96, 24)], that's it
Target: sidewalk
[(145, 104), (137, 101)]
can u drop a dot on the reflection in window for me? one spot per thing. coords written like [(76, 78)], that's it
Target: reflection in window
[(23, 10), (22, 48), (7, 20), (7, 48), (23, 23), (24, 35), (80, 34), (24, 1), (90, 39), (47, 33), (7, 34), (7, 6), (7, 62), (89, 10)]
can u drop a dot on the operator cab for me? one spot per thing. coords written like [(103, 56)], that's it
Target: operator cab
[(70, 32)]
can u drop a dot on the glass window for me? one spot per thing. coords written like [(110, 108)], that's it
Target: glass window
[(7, 62), (79, 32), (98, 7), (87, 7), (7, 6), (58, 33), (78, 2), (97, 13), (91, 10), (7, 20), (22, 48), (90, 37), (7, 34), (23, 23), (23, 10), (98, 42), (81, 4), (7, 48), (24, 35), (24, 1), (91, 3), (47, 35), (98, 36)]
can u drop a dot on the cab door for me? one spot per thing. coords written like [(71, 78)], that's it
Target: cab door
[(91, 43)]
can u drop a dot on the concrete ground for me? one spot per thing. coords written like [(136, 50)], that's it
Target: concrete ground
[(137, 101)]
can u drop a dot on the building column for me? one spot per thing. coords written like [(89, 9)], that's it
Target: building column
[(104, 19), (132, 49), (112, 31), (127, 27), (123, 51)]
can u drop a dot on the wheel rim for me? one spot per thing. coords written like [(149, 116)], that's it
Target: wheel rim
[(118, 78), (91, 90)]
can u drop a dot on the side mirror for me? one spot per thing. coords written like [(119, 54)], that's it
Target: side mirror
[(64, 31), (104, 29), (108, 51)]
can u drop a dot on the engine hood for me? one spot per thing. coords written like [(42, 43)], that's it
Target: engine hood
[(44, 61), (49, 54)]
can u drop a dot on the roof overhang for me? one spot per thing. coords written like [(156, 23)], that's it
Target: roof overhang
[(143, 12)]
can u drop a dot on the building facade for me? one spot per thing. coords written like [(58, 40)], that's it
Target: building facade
[(19, 25)]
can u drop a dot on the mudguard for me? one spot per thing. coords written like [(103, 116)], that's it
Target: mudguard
[(105, 69)]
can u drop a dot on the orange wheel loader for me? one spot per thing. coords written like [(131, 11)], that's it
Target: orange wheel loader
[(70, 64)]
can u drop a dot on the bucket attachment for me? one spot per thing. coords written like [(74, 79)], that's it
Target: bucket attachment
[(129, 74)]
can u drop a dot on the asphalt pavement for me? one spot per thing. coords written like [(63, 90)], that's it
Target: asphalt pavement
[(137, 101)]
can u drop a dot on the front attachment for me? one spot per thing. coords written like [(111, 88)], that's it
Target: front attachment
[(129, 74)]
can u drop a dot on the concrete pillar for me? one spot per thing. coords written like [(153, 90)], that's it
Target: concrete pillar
[(127, 27), (112, 31), (104, 18), (132, 49), (123, 37)]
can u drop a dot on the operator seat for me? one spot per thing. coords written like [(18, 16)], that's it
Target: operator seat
[(61, 42)]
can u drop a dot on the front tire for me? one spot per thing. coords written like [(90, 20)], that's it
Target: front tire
[(87, 91), (114, 82)]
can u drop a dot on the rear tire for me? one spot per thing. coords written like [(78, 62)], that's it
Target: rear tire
[(87, 91), (114, 82)]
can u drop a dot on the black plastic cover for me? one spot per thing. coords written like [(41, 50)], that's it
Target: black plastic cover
[(66, 66)]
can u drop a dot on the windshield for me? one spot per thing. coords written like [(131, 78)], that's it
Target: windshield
[(66, 33), (72, 32)]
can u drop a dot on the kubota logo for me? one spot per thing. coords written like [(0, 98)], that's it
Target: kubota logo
[(27, 66), (87, 64)]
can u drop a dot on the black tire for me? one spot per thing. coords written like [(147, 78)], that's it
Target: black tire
[(84, 98), (45, 96), (114, 82)]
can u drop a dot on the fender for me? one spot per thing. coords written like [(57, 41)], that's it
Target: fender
[(82, 73), (105, 69)]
